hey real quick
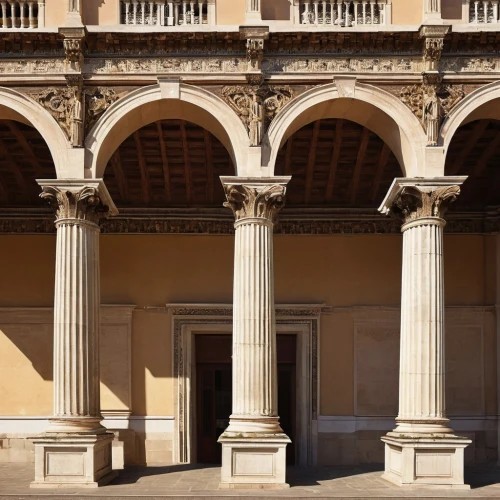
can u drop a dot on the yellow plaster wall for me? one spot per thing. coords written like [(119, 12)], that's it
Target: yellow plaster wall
[(407, 12), (101, 12), (151, 271), (55, 12), (230, 11)]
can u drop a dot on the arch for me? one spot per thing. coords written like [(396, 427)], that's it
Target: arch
[(149, 104), (18, 107), (373, 108), (475, 106)]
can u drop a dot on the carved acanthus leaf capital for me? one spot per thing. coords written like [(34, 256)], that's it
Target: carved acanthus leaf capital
[(413, 203), (78, 205), (255, 202)]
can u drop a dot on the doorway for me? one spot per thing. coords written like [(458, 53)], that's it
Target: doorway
[(214, 392)]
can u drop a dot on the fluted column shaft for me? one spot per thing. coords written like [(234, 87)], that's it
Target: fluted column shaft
[(76, 308), (421, 390), (254, 329)]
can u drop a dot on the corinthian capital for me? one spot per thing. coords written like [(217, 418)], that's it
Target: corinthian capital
[(255, 198), (78, 201), (414, 199)]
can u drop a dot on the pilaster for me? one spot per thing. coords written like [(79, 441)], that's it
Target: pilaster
[(76, 449), (254, 445), (423, 449)]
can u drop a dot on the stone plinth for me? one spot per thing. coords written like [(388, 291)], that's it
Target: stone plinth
[(436, 461), (254, 462), (73, 461)]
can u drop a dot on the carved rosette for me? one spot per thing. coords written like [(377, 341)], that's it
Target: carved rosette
[(76, 207), (413, 204), (249, 202)]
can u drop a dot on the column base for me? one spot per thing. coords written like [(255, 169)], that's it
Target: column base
[(67, 460), (420, 460), (253, 461)]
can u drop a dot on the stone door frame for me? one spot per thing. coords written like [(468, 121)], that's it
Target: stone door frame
[(191, 320)]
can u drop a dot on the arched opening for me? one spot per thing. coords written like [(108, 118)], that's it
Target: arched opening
[(337, 163), (168, 163), (377, 110), (149, 105)]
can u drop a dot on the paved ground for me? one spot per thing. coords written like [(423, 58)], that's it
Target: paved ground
[(196, 483)]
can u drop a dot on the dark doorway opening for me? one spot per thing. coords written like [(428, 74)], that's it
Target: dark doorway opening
[(214, 392)]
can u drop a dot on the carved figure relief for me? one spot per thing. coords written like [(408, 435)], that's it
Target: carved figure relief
[(431, 104), (257, 106), (97, 101), (77, 120), (255, 53)]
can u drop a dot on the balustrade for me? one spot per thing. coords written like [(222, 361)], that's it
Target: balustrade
[(21, 14), (166, 12), (484, 12), (343, 13)]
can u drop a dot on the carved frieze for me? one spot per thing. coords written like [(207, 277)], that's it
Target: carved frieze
[(257, 106)]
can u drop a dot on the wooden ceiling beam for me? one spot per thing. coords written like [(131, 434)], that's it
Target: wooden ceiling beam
[(15, 170), (382, 162), (164, 160), (486, 155), (210, 166), (312, 162), (16, 131), (116, 165), (365, 138), (471, 141), (187, 162), (142, 168), (334, 162)]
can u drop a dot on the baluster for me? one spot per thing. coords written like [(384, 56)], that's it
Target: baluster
[(170, 14), (372, 11), (134, 12), (127, 11), (203, 12), (184, 11), (323, 7), (160, 12), (22, 14), (339, 11), (13, 16), (332, 13), (485, 11), (364, 12), (347, 3), (143, 11), (31, 17), (476, 11), (151, 12), (191, 5), (5, 22), (316, 11), (495, 11), (356, 4), (176, 14)]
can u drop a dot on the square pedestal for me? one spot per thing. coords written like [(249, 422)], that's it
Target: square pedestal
[(254, 463), (426, 461), (73, 460)]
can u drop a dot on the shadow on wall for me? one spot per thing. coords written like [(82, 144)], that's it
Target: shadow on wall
[(276, 10), (91, 10)]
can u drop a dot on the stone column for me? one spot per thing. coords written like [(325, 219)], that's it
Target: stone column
[(254, 445), (423, 449), (76, 449)]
